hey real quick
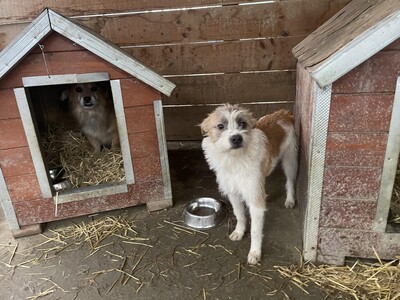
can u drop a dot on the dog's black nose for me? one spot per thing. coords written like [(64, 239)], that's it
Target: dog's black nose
[(236, 141), (87, 99)]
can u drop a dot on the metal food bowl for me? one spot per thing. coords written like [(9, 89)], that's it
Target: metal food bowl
[(204, 213), (62, 185)]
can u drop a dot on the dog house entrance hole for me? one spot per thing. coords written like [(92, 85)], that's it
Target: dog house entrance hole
[(387, 218), (68, 167)]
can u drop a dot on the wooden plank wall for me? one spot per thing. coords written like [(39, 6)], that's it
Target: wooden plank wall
[(216, 51)]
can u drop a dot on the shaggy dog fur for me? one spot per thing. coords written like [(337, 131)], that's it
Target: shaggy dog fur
[(242, 152), (94, 112)]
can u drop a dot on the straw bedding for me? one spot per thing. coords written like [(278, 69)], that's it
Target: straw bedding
[(70, 150), (395, 203)]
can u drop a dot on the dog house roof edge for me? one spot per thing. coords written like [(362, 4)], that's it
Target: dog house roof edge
[(352, 36), (50, 21)]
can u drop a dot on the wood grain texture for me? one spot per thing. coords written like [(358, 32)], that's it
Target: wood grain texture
[(8, 105), (352, 182), (16, 162), (23, 188), (350, 22), (355, 149), (140, 119), (143, 144), (137, 93), (376, 75), (357, 243), (43, 210), (181, 123), (352, 214), (217, 22), (59, 63), (226, 57), (12, 134), (28, 10), (238, 87), (219, 57), (360, 113)]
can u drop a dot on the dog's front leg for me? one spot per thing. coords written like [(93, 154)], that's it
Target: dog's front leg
[(239, 212), (94, 143), (115, 142), (257, 211)]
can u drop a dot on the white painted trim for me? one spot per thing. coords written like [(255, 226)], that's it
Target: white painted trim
[(358, 50), (389, 166), (319, 132), (24, 42), (95, 191), (49, 20), (64, 79), (162, 144), (33, 143), (6, 204), (122, 130), (104, 49), (30, 132)]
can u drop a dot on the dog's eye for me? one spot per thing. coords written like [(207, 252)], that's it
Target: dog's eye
[(220, 126), (242, 124), (78, 89), (93, 88)]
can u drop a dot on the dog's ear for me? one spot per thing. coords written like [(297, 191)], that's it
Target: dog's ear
[(248, 116), (252, 121), (64, 95), (205, 126)]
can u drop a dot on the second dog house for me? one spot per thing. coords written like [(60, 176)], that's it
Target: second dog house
[(347, 112)]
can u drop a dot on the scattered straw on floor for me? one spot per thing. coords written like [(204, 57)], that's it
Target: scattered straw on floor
[(71, 150), (95, 233), (361, 281)]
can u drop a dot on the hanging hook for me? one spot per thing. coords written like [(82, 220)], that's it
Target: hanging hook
[(44, 59)]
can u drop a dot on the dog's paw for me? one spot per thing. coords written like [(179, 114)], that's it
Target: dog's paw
[(254, 257), (236, 235), (289, 203)]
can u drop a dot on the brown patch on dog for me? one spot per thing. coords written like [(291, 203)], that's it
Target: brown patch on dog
[(270, 125)]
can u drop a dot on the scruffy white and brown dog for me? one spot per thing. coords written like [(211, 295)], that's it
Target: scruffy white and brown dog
[(94, 112), (242, 152)]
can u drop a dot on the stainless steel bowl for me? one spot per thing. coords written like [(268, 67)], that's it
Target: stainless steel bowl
[(204, 213)]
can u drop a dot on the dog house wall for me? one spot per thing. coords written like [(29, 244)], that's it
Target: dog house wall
[(63, 56), (359, 108)]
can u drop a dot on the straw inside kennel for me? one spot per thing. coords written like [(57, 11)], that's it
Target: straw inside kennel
[(70, 150), (395, 201)]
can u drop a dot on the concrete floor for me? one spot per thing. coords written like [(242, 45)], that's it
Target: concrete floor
[(175, 264)]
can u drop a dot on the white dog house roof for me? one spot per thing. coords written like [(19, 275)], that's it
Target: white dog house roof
[(49, 21), (353, 35)]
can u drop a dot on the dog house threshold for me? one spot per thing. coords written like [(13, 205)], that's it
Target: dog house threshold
[(33, 143)]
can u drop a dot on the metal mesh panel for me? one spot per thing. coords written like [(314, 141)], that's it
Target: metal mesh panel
[(319, 130)]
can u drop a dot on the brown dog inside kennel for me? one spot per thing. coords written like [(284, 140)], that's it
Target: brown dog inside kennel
[(69, 158)]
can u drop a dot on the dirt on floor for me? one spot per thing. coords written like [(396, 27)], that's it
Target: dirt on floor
[(142, 255)]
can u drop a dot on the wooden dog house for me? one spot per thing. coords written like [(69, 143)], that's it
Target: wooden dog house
[(347, 112), (53, 51)]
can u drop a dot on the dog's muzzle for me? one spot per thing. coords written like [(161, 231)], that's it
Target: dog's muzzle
[(87, 102), (236, 141)]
